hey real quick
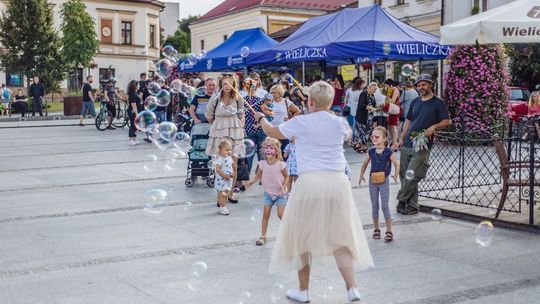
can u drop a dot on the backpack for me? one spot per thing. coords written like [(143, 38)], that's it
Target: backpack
[(6, 94)]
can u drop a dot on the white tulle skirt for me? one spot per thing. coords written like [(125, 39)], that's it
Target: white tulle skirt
[(320, 220)]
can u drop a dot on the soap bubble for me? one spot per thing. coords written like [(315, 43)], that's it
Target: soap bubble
[(255, 214), (145, 121), (187, 206), (150, 163), (167, 130), (175, 86), (163, 98), (245, 297), (154, 88), (244, 52), (150, 103), (187, 90), (436, 214), (164, 68), (199, 269), (192, 58), (276, 295), (169, 51), (246, 149), (153, 198), (201, 92), (484, 233), (161, 81), (202, 54), (407, 70), (211, 165), (409, 174), (173, 159)]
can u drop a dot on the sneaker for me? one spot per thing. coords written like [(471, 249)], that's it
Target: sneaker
[(353, 295), (132, 143), (301, 296), (148, 140), (223, 211), (137, 142), (111, 128)]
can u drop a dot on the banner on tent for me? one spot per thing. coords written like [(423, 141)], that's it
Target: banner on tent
[(416, 49)]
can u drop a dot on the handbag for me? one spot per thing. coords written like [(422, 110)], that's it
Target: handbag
[(346, 111), (242, 171), (392, 109), (378, 178)]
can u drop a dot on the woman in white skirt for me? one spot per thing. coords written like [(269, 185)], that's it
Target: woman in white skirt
[(321, 218)]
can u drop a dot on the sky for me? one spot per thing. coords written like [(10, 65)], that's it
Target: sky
[(195, 7)]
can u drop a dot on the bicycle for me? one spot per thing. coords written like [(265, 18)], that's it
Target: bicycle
[(122, 118), (104, 118)]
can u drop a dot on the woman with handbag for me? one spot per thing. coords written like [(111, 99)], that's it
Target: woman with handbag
[(383, 158), (225, 112), (362, 125)]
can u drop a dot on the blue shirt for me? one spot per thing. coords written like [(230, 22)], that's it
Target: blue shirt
[(380, 162)]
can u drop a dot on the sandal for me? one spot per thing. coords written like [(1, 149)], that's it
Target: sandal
[(261, 241), (389, 236), (377, 234)]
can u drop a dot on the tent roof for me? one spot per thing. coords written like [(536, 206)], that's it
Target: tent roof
[(361, 34), (508, 23), (226, 56)]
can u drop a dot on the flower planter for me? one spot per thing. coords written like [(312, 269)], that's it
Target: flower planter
[(72, 105)]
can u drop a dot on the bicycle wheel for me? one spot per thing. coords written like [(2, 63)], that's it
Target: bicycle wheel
[(103, 120), (120, 120)]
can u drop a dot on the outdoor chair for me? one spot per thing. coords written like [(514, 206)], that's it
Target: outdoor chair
[(509, 179)]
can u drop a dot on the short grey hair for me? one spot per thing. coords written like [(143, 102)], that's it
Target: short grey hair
[(278, 88), (322, 94)]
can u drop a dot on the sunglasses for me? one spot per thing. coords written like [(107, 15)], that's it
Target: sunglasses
[(375, 136)]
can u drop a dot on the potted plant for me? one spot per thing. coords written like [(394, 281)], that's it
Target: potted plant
[(73, 103)]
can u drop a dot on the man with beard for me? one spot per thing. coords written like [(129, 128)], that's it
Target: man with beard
[(427, 114), (88, 100)]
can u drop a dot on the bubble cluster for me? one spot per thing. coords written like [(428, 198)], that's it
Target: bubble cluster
[(146, 121), (153, 199), (484, 233)]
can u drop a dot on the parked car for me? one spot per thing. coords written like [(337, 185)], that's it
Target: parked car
[(518, 102)]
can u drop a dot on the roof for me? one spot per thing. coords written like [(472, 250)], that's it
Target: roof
[(284, 33), (152, 2), (232, 6)]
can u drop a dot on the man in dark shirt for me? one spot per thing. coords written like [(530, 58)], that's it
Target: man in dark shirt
[(143, 87), (88, 100), (37, 92), (427, 114)]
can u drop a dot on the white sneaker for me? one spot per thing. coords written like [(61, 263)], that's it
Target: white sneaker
[(353, 295), (297, 295), (223, 211), (132, 143), (137, 142)]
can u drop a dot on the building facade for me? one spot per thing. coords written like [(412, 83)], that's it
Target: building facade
[(129, 35), (272, 16), (458, 9)]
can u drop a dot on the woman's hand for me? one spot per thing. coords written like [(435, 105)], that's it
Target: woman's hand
[(258, 115), (394, 177)]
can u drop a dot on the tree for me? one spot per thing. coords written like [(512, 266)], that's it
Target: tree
[(476, 86), (524, 64), (32, 45), (79, 39), (181, 40)]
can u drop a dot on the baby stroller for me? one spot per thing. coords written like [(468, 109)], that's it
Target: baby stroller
[(198, 159)]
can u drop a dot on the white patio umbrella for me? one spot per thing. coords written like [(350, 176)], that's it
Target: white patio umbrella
[(515, 22)]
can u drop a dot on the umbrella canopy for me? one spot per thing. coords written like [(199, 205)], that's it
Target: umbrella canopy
[(226, 56), (515, 22), (358, 35)]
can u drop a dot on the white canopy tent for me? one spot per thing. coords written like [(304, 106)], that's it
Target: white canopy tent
[(515, 22)]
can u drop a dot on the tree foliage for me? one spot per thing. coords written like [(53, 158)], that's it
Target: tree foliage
[(181, 40), (32, 46), (79, 39), (524, 64)]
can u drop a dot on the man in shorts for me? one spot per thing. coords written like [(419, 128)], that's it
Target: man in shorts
[(88, 107)]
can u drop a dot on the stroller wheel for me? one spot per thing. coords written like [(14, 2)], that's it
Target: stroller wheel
[(189, 182), (210, 182)]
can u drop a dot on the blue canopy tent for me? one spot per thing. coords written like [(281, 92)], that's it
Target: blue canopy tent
[(226, 56), (360, 35)]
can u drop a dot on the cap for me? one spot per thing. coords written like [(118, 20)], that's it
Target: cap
[(423, 77), (268, 96)]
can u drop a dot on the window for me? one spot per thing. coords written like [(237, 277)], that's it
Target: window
[(126, 32), (377, 2), (14, 80), (482, 5), (400, 2), (202, 44), (152, 36), (225, 37)]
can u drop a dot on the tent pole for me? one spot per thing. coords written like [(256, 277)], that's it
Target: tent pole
[(303, 73), (357, 70), (439, 78)]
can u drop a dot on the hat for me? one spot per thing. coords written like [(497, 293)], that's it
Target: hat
[(424, 77), (268, 96)]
